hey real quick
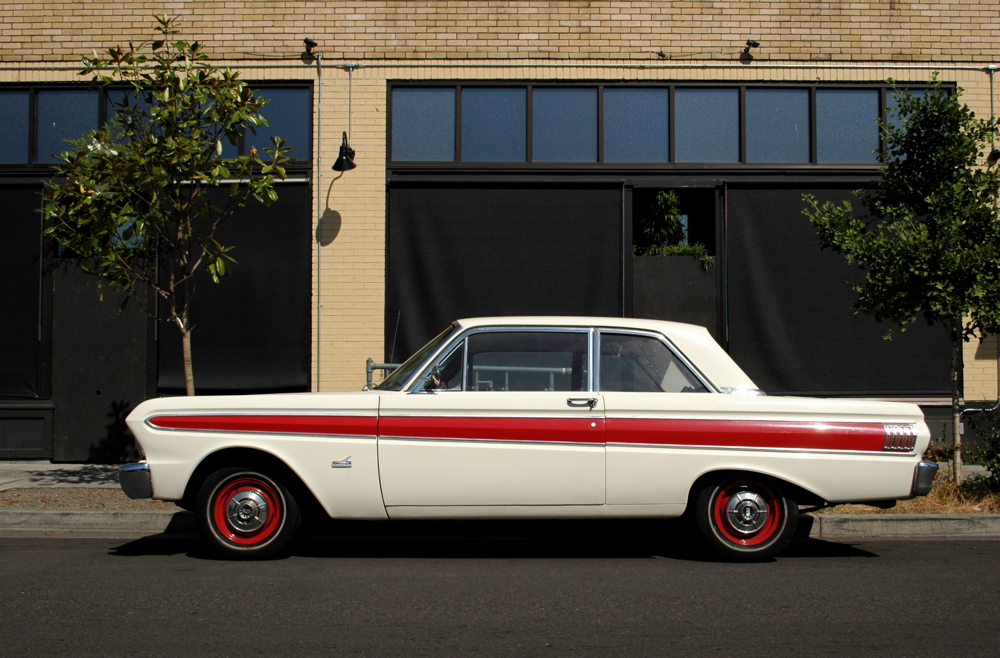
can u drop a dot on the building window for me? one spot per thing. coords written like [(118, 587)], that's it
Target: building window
[(39, 122), (63, 114), (288, 113), (14, 108), (891, 104), (564, 124), (658, 124), (423, 124), (845, 127), (636, 124), (708, 126), (494, 124), (777, 125)]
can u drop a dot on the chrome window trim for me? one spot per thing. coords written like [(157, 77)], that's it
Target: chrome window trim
[(437, 439)]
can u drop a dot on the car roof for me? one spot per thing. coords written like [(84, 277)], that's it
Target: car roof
[(573, 321)]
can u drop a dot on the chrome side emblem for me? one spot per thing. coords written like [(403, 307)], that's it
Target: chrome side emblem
[(342, 463), (899, 438)]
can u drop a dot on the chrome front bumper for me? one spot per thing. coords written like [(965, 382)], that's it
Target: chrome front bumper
[(136, 480), (923, 476)]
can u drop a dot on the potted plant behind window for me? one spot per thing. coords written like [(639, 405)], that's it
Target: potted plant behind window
[(672, 277), (664, 232)]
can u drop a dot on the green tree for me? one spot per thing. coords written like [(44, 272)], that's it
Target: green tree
[(930, 247), (135, 200)]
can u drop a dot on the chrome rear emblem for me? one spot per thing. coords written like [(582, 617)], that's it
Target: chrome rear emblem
[(900, 438), (342, 463)]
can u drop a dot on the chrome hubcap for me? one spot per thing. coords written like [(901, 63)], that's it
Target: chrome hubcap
[(247, 511), (747, 512)]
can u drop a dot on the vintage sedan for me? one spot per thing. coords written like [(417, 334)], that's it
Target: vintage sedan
[(531, 417)]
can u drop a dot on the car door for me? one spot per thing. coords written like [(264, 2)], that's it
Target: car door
[(507, 419), (649, 393)]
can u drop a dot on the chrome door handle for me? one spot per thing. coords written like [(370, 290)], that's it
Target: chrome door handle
[(582, 402)]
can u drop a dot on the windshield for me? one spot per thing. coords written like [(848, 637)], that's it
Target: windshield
[(398, 377)]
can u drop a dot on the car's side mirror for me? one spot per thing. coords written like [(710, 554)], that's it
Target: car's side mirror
[(432, 382)]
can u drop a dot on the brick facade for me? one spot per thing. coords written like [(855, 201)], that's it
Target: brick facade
[(43, 41), (839, 30)]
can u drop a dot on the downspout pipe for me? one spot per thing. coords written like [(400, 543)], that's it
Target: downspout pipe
[(319, 218)]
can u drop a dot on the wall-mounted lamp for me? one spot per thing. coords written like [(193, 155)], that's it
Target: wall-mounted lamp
[(745, 56), (310, 45), (345, 161)]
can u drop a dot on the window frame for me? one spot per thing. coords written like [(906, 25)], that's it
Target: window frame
[(679, 355), (35, 165), (461, 344), (592, 362), (884, 93)]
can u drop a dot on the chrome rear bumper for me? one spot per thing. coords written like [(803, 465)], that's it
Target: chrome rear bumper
[(136, 480), (923, 476)]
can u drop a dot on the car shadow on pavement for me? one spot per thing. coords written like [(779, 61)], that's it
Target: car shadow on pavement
[(564, 539), (163, 544)]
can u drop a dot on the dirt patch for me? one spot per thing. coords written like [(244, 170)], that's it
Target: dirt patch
[(79, 499)]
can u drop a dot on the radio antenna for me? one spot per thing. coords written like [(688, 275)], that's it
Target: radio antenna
[(395, 333)]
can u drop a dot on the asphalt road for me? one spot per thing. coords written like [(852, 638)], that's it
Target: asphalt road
[(498, 589)]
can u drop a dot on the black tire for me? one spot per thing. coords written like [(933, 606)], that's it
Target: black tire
[(246, 514), (745, 518)]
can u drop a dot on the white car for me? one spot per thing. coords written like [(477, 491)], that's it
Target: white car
[(531, 417)]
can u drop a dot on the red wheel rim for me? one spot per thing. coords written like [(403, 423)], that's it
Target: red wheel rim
[(746, 512), (247, 510)]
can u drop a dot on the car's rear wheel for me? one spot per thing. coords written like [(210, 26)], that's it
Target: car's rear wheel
[(245, 513), (745, 517)]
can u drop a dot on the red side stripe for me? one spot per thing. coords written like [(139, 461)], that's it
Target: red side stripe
[(543, 430), (272, 424), (867, 437)]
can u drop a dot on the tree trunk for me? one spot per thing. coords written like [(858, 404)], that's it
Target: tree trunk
[(188, 367), (184, 328), (957, 345)]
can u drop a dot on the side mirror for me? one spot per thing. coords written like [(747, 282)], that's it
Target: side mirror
[(432, 382)]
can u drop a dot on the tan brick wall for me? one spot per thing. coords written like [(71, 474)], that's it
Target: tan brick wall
[(614, 41), (981, 370), (837, 30)]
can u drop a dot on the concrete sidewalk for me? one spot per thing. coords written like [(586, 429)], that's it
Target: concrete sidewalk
[(79, 484), (83, 492)]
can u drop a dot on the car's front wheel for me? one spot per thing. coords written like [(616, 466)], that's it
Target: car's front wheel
[(245, 513), (745, 517)]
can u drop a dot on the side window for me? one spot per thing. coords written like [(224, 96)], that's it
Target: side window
[(522, 361), (636, 364)]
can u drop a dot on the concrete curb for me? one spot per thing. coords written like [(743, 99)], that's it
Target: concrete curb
[(816, 526), (59, 521), (833, 526)]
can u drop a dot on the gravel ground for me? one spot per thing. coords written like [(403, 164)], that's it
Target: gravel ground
[(78, 499)]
